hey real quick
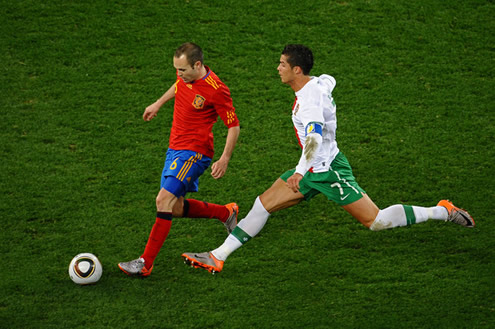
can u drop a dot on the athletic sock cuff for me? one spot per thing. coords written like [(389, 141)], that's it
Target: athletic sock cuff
[(240, 235), (186, 209), (410, 216), (164, 215)]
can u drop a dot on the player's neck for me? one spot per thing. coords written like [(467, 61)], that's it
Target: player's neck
[(202, 72), (298, 83)]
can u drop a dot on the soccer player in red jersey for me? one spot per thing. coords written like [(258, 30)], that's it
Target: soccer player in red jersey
[(200, 98)]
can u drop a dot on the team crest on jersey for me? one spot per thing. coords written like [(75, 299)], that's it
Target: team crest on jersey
[(198, 102)]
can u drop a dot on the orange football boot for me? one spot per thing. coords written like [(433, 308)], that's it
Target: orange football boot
[(135, 267), (457, 215), (204, 260), (231, 222)]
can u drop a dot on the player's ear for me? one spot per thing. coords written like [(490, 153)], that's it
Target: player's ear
[(197, 65), (297, 70)]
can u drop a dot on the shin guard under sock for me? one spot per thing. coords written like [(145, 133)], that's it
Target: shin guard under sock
[(157, 237), (200, 209)]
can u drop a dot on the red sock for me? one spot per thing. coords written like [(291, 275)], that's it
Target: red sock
[(200, 209), (158, 235)]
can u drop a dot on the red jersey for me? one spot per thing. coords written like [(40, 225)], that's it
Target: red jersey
[(197, 107)]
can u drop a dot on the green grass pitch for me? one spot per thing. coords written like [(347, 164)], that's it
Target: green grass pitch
[(80, 169)]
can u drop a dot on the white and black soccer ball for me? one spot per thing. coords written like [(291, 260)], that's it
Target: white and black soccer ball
[(85, 268)]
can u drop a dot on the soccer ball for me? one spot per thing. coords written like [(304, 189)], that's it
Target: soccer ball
[(85, 268)]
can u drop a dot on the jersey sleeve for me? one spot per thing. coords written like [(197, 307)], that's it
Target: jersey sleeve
[(329, 81), (225, 108), (311, 113)]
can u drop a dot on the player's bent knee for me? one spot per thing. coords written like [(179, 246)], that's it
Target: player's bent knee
[(178, 209), (165, 200), (380, 224), (374, 227)]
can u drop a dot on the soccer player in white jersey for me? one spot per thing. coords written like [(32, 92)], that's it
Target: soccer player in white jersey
[(322, 168)]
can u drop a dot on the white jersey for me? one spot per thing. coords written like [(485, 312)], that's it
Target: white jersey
[(314, 104)]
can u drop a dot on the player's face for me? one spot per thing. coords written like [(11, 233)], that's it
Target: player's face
[(185, 71), (286, 72)]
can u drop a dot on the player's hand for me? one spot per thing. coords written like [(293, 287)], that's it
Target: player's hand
[(293, 182), (219, 168), (150, 112)]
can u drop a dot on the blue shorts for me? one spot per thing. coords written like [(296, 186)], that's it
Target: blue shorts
[(182, 170)]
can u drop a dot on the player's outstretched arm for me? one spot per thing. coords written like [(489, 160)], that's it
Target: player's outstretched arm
[(313, 143), (219, 168), (151, 111)]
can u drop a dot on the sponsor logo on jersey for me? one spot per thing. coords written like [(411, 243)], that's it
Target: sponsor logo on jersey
[(198, 102)]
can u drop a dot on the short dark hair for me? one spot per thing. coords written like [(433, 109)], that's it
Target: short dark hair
[(299, 55), (192, 51)]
